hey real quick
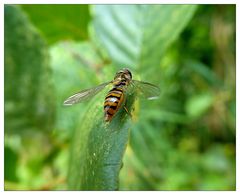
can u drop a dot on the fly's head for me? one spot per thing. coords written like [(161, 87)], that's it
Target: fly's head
[(123, 74)]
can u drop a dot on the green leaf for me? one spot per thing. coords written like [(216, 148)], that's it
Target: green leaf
[(28, 91), (71, 61), (98, 147), (58, 22), (137, 35)]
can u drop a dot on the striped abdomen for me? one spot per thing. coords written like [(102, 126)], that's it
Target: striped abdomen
[(113, 102)]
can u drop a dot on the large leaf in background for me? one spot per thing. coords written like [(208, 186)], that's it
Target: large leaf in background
[(59, 22), (98, 148), (137, 35), (28, 92)]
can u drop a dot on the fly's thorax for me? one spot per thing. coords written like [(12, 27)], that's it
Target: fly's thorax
[(121, 83)]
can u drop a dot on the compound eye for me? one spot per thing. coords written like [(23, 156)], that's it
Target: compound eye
[(129, 73), (128, 76)]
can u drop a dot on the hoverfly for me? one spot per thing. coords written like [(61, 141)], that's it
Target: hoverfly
[(116, 96)]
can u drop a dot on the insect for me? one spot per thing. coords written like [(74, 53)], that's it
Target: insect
[(115, 98)]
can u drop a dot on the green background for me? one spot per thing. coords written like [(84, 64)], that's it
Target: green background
[(185, 140)]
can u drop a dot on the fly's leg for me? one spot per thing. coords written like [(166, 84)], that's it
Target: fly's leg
[(127, 111)]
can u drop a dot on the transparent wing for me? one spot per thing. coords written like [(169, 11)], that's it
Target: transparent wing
[(84, 94), (147, 90)]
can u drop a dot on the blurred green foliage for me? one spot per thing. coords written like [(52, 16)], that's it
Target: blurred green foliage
[(185, 140), (27, 62), (60, 22)]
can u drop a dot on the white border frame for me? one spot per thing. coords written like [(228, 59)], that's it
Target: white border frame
[(117, 2)]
